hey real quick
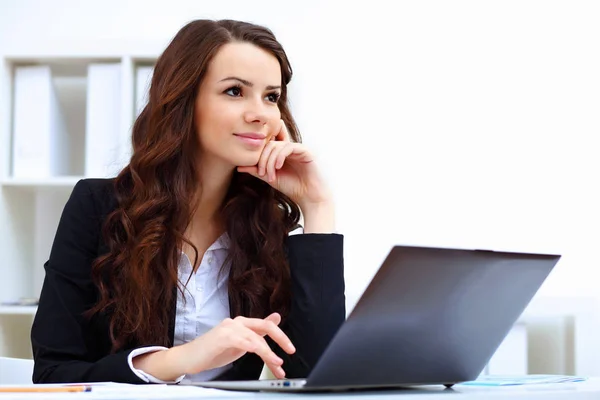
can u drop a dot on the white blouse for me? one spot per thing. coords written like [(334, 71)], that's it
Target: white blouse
[(205, 304)]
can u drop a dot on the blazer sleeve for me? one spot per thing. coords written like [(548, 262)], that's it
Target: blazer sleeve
[(318, 306), (63, 343)]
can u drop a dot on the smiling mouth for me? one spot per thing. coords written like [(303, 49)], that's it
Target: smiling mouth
[(251, 139), (251, 135)]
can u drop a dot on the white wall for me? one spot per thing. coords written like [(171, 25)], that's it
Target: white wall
[(463, 123)]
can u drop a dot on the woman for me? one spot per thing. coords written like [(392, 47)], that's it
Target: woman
[(182, 267)]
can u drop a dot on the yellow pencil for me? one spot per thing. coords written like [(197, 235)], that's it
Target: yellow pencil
[(45, 389)]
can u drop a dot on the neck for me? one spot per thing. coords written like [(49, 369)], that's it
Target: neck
[(215, 178)]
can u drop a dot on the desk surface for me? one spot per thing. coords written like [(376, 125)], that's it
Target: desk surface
[(589, 389)]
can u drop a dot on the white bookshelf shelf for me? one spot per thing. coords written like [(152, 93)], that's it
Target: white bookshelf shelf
[(66, 116), (18, 310), (66, 182)]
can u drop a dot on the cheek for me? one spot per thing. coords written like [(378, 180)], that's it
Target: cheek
[(274, 123), (216, 120)]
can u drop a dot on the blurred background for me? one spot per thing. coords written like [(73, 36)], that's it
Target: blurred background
[(470, 124)]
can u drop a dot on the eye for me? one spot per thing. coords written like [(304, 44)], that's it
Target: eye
[(234, 91), (273, 97)]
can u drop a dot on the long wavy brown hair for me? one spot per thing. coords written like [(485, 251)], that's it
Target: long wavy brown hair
[(137, 278)]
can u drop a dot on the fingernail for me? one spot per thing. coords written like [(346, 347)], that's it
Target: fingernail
[(291, 346), (281, 372)]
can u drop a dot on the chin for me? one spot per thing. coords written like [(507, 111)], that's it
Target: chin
[(249, 160)]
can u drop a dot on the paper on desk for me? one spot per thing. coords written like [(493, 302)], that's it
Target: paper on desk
[(513, 380), (122, 391)]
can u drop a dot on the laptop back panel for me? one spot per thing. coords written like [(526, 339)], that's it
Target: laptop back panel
[(431, 315)]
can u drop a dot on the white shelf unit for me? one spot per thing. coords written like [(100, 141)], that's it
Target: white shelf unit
[(30, 207), (57, 182), (18, 310)]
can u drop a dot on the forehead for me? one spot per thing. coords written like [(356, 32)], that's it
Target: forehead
[(245, 61)]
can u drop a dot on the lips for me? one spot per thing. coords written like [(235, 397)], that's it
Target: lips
[(251, 139), (251, 135)]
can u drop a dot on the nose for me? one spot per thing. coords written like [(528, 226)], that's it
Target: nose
[(255, 112)]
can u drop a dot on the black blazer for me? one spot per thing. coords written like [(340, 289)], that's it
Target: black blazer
[(69, 348)]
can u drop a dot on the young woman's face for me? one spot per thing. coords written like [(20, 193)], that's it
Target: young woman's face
[(236, 109)]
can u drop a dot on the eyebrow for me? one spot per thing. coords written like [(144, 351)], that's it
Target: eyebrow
[(247, 83)]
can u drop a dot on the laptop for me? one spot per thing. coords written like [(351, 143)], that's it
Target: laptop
[(428, 316)]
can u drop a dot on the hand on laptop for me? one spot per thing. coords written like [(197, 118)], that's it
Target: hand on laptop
[(233, 338), (222, 345)]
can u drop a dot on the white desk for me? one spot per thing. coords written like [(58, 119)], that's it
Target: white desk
[(564, 391)]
